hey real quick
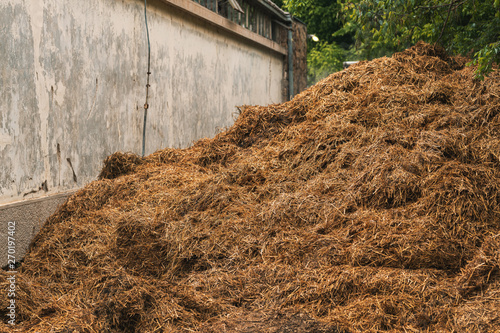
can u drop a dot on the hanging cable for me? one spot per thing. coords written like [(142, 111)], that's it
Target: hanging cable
[(146, 105)]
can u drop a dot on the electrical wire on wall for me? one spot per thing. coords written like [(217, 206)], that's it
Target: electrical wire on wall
[(146, 105)]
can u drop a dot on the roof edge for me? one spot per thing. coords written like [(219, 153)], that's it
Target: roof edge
[(271, 6)]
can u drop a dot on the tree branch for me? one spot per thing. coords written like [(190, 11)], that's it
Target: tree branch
[(440, 6), (446, 22)]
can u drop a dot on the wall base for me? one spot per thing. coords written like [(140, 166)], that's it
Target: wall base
[(28, 217)]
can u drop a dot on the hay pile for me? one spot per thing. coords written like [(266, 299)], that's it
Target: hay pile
[(370, 202)]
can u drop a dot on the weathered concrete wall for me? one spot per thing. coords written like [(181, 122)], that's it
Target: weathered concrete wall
[(73, 77), (72, 87), (26, 218), (299, 57)]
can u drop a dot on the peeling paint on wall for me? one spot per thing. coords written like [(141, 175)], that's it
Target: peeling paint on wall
[(73, 81)]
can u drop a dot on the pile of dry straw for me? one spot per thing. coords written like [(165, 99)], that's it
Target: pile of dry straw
[(368, 203)]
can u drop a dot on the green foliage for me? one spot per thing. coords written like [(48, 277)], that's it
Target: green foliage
[(484, 59), (374, 28), (323, 60), (383, 27), (321, 17)]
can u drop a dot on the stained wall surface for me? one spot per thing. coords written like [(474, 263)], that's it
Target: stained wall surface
[(72, 86)]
